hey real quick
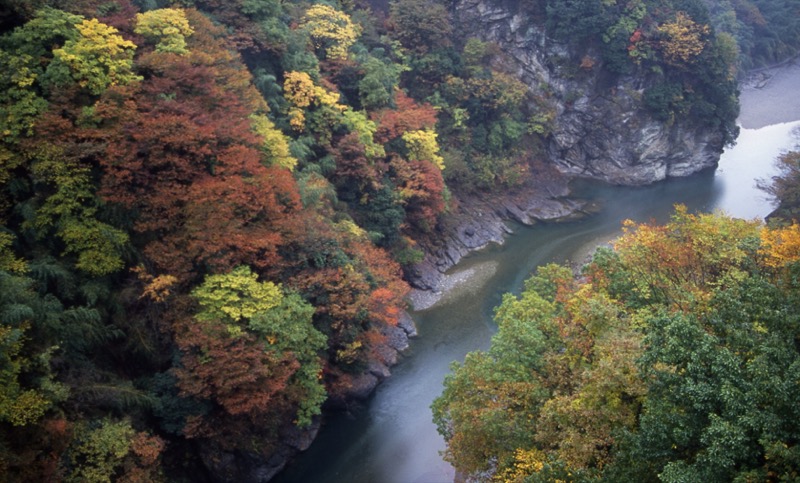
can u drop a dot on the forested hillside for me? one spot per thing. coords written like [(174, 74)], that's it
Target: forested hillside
[(766, 31), (208, 206), (180, 263)]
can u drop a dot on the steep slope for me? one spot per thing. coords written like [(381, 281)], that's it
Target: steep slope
[(626, 112)]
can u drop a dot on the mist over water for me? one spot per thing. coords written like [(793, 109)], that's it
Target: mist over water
[(752, 160), (392, 438)]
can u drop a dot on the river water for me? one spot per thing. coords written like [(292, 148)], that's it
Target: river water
[(392, 439)]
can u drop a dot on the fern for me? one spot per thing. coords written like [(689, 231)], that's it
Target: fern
[(122, 397), (48, 313), (15, 314), (49, 273), (269, 87), (83, 316), (13, 288), (94, 291), (140, 342), (302, 148), (82, 329)]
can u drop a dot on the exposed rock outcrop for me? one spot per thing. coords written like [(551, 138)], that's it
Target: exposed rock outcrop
[(479, 220), (601, 129), (250, 467)]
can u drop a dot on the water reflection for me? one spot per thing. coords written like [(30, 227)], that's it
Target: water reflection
[(752, 159)]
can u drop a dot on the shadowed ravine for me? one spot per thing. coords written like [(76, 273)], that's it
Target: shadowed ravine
[(392, 439)]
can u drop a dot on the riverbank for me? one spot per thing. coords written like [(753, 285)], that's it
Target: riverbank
[(391, 438), (770, 96), (480, 220)]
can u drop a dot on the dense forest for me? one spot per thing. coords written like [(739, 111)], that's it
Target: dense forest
[(765, 31), (209, 208)]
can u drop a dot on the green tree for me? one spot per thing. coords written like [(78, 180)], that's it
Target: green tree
[(720, 405), (25, 53), (19, 406), (9, 262), (71, 210), (576, 19), (377, 88), (490, 402), (420, 25), (26, 378)]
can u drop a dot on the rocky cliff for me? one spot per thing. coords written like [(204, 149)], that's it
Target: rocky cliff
[(480, 220), (601, 128)]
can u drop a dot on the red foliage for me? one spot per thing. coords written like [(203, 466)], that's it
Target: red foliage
[(340, 294), (147, 448), (235, 372), (383, 271), (384, 306), (355, 286), (38, 451), (422, 186), (122, 17), (407, 116), (182, 156), (245, 34), (144, 464), (352, 165)]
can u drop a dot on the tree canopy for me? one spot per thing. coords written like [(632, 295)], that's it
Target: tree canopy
[(208, 208), (671, 357)]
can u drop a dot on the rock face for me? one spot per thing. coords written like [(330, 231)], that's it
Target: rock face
[(601, 128), (242, 466), (479, 221)]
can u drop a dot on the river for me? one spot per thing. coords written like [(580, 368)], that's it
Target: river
[(392, 439)]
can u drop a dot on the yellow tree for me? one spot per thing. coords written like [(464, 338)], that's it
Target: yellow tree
[(780, 246), (99, 58), (422, 145), (275, 148), (168, 27), (298, 89), (301, 92), (331, 30), (682, 39)]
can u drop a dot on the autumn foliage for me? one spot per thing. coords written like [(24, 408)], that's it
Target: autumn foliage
[(407, 116), (642, 367), (208, 209), (164, 201), (235, 372)]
